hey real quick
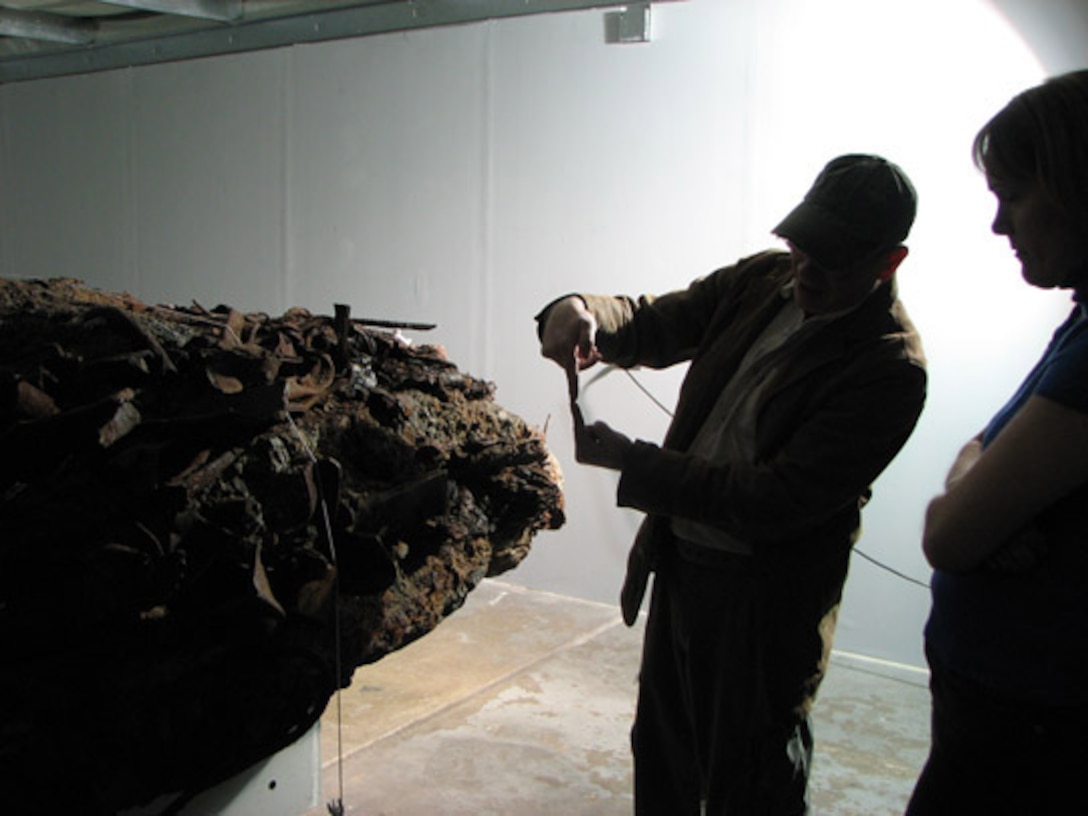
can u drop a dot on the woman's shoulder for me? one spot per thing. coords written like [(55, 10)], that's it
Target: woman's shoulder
[(1065, 379)]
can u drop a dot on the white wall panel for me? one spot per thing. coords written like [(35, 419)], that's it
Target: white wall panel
[(64, 179), (208, 182), (467, 175), (386, 166), (612, 170)]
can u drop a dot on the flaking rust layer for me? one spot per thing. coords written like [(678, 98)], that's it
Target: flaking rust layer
[(213, 517)]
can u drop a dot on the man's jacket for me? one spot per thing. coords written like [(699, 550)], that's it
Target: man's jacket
[(837, 413)]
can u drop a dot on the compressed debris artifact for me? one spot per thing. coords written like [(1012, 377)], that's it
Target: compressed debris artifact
[(209, 519)]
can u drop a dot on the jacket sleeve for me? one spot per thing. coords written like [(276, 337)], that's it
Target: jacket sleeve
[(843, 435), (659, 331)]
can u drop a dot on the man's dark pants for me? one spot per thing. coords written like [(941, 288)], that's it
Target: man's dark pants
[(735, 649)]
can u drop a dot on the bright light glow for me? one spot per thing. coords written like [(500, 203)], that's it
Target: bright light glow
[(913, 80)]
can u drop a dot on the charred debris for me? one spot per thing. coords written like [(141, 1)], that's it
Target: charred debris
[(210, 518)]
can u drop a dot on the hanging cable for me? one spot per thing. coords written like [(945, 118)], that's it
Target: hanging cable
[(335, 806), (895, 572), (646, 391)]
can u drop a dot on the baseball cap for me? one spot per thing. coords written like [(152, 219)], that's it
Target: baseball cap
[(859, 204)]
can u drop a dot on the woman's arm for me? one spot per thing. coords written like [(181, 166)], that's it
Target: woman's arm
[(1040, 457), (965, 460)]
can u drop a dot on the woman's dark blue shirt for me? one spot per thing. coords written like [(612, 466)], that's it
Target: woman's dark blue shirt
[(1024, 634)]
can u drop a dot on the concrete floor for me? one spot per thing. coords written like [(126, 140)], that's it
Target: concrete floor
[(520, 704)]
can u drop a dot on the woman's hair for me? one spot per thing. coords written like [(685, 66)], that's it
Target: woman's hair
[(1042, 135)]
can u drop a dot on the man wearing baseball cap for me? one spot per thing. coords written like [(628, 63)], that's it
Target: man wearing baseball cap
[(806, 379)]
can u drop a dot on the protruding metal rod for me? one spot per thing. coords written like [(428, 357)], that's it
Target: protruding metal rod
[(393, 324)]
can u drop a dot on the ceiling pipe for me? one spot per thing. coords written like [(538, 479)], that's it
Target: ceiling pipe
[(224, 11), (37, 25)]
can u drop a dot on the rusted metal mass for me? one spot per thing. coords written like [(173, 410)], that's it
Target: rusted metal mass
[(189, 498)]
